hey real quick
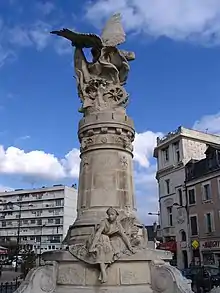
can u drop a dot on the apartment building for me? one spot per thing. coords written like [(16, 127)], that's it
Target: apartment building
[(203, 196), (40, 216), (173, 152)]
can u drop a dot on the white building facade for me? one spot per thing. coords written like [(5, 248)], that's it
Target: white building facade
[(45, 216), (172, 153)]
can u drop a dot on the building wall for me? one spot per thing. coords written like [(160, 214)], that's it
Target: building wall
[(70, 209), (192, 145), (45, 215), (201, 208)]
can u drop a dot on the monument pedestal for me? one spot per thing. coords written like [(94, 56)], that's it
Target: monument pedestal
[(144, 272)]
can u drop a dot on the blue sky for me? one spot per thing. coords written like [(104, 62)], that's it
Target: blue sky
[(173, 81)]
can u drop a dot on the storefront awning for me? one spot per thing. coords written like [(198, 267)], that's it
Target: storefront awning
[(170, 246)]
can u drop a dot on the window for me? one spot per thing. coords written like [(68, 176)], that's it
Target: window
[(58, 202), (53, 246), (177, 151), (32, 238), (25, 222), (38, 213), (207, 191), (209, 223), (166, 154), (3, 223), (32, 221), (57, 221), (25, 238), (38, 239), (192, 197), (56, 238), (50, 221), (170, 216), (183, 236), (167, 182), (39, 222), (193, 224), (56, 212), (180, 194)]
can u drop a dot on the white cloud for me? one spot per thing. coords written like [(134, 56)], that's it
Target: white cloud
[(6, 55), (5, 188), (143, 147), (194, 20), (34, 163), (40, 34), (62, 46), (209, 123)]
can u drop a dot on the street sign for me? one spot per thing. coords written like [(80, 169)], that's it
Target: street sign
[(195, 244)]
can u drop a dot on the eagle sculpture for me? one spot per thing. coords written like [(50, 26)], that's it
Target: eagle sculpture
[(112, 35), (109, 67)]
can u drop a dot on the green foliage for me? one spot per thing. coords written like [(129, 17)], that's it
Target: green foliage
[(29, 262)]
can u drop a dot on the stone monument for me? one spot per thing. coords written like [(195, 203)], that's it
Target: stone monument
[(107, 246)]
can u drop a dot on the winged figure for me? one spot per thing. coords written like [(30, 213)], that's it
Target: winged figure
[(108, 64), (112, 35)]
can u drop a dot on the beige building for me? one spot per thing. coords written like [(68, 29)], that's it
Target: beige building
[(173, 152), (203, 195), (42, 216)]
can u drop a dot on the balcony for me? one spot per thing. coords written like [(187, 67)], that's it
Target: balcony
[(169, 231)]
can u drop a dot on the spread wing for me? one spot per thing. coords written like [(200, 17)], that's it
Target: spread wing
[(113, 33), (80, 40)]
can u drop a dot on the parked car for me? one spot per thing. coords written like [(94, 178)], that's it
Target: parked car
[(206, 276)]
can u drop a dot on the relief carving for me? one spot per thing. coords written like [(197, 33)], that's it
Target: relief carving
[(114, 237), (86, 142), (180, 216), (124, 162), (103, 139)]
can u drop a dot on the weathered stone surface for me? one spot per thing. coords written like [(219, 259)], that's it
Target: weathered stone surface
[(71, 274), (135, 273), (109, 252)]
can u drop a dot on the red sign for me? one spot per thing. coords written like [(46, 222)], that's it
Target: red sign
[(170, 245), (211, 244), (3, 251)]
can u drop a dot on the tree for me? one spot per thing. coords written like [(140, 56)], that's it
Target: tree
[(29, 262)]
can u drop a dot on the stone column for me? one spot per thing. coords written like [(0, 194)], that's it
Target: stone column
[(106, 169)]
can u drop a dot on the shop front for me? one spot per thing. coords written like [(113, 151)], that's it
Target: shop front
[(172, 247), (210, 252)]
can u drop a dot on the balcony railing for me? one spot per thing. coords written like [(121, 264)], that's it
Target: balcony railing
[(168, 231)]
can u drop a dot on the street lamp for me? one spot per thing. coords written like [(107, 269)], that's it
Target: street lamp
[(154, 214)]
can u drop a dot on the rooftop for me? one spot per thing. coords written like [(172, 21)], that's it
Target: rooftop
[(186, 132), (21, 191), (198, 169)]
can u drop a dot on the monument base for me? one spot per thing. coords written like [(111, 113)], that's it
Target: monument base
[(145, 272)]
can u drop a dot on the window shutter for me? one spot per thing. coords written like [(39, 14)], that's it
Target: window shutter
[(205, 223), (213, 222), (203, 192)]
